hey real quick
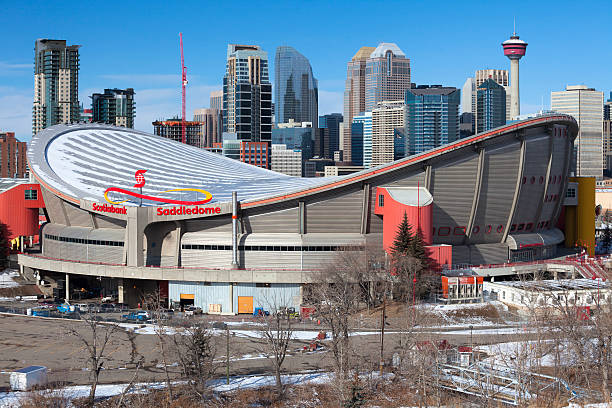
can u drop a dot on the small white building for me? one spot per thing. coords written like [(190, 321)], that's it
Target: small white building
[(550, 293)]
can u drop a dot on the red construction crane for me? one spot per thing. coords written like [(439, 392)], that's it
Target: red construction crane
[(183, 83)]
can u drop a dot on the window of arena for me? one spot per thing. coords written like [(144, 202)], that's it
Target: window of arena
[(274, 248), (83, 240)]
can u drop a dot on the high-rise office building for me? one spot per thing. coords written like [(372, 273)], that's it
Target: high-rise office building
[(330, 127), (247, 94), (586, 106), (490, 106), (172, 129), (296, 90), (295, 135), (386, 118), (387, 75), (13, 161), (56, 84), (354, 95), (114, 106), (432, 117), (361, 140), (212, 125), (216, 100)]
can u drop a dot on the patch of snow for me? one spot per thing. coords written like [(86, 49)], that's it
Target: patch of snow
[(7, 278)]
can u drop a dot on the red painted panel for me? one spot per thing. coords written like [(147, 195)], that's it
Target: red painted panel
[(19, 214), (420, 218)]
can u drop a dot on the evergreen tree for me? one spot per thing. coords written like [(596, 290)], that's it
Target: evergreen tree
[(417, 248), (403, 239), (357, 398)]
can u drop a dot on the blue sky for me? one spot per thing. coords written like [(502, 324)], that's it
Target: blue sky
[(136, 44)]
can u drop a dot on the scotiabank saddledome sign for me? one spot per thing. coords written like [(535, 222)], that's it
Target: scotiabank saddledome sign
[(184, 208)]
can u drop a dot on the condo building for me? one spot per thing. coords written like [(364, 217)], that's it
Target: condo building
[(114, 106), (432, 117), (490, 106), (247, 94), (13, 162), (386, 118), (172, 129), (56, 84)]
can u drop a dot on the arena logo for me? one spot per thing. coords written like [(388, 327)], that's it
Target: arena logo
[(140, 182), (109, 209), (188, 211)]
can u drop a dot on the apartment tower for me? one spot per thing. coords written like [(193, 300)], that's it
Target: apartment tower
[(114, 106), (56, 84), (386, 118), (247, 94), (432, 117)]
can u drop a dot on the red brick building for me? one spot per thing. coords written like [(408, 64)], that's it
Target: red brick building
[(12, 156)]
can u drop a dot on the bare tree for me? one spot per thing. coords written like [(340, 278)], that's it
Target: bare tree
[(95, 340), (154, 305), (276, 332), (196, 352)]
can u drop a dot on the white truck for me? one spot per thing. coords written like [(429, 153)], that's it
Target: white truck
[(27, 378)]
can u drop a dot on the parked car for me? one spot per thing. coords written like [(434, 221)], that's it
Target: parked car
[(121, 307), (41, 312), (108, 299), (82, 307), (193, 310), (107, 308), (166, 314), (141, 316), (66, 308)]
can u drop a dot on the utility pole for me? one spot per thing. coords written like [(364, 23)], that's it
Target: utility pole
[(382, 334), (227, 362)]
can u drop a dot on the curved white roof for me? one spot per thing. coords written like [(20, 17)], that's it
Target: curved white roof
[(382, 48), (82, 161)]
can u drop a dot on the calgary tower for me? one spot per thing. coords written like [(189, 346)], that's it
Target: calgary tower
[(514, 49)]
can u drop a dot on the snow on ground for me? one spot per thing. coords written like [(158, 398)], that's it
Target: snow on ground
[(478, 331), (12, 399), (600, 405), (6, 278)]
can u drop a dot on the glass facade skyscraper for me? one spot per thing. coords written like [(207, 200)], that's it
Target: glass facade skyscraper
[(432, 117), (296, 89), (330, 142), (490, 106)]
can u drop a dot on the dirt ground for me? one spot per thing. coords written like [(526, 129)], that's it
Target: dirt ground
[(28, 341)]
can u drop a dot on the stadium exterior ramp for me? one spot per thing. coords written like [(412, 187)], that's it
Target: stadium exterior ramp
[(496, 197)]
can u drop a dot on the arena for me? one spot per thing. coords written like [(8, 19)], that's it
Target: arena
[(257, 234)]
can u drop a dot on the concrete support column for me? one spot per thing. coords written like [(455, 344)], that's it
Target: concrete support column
[(67, 287), (231, 298), (120, 294), (137, 220)]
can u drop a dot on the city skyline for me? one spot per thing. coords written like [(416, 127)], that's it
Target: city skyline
[(152, 67)]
